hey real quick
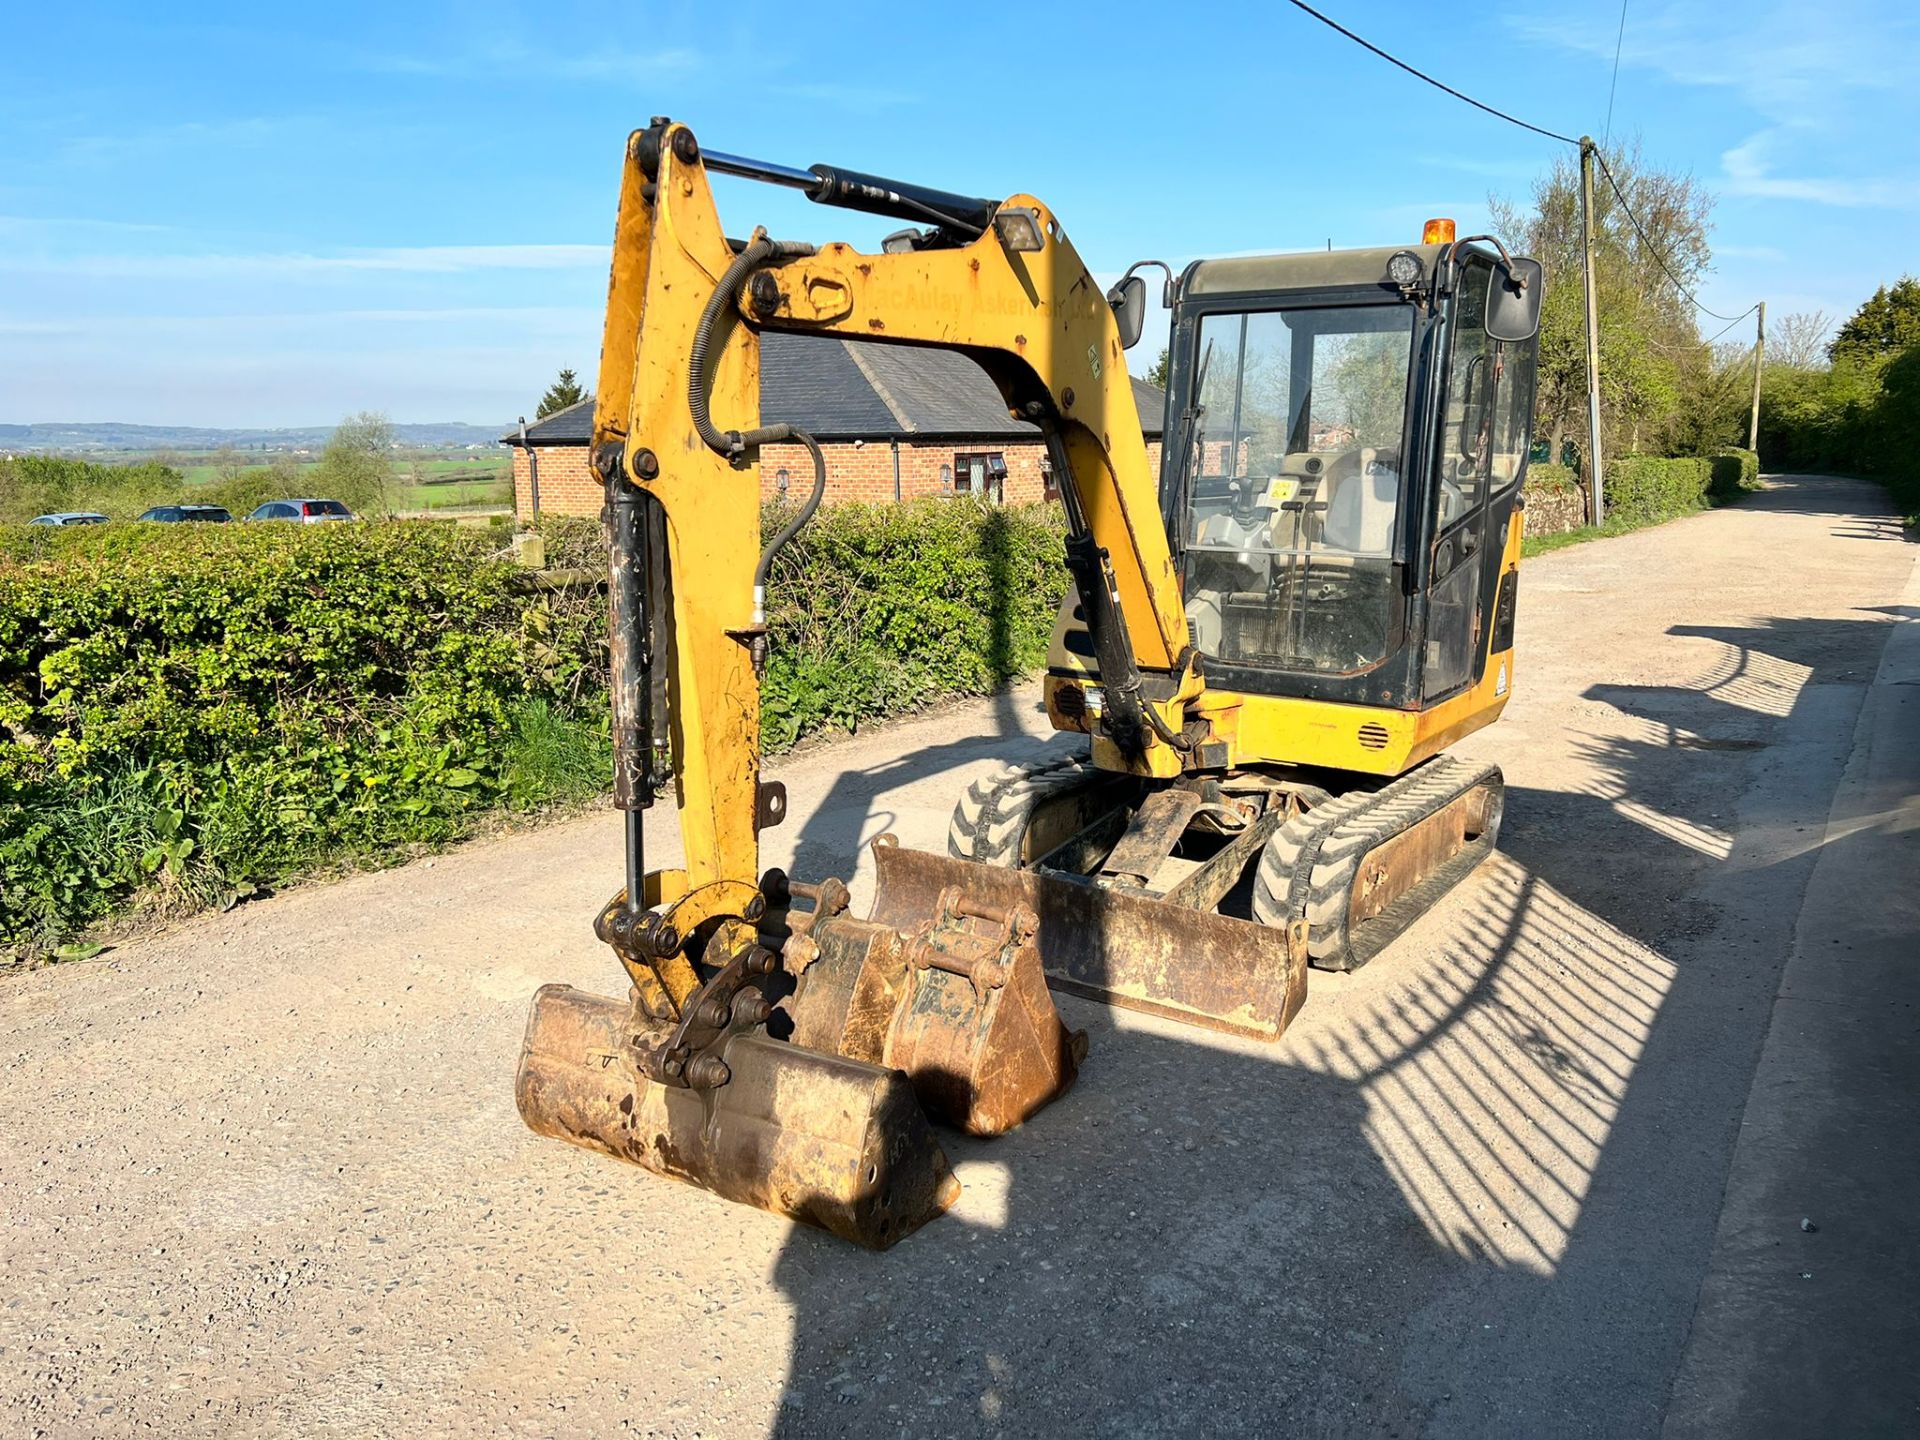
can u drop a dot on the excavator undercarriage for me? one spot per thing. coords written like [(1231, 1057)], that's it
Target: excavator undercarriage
[(1268, 648)]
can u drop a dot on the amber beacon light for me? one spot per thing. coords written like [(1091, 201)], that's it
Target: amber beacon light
[(1437, 232)]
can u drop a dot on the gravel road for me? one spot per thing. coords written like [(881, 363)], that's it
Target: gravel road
[(263, 1174)]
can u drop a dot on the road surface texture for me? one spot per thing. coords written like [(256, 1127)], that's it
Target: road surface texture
[(1538, 1170)]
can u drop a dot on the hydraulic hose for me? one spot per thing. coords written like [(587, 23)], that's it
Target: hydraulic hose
[(760, 251)]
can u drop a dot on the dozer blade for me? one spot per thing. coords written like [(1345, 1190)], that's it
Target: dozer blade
[(1128, 950), (829, 1141)]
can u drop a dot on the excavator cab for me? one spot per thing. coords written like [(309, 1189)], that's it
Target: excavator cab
[(1339, 480)]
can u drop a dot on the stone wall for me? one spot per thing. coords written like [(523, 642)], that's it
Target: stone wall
[(1554, 506)]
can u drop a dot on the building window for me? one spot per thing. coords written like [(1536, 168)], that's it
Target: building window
[(1049, 482), (983, 473)]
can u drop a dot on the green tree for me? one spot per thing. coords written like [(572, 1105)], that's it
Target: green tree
[(357, 465), (1648, 336), (227, 464), (562, 393), (1157, 376), (1885, 325)]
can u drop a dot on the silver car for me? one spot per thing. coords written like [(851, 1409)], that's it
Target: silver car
[(306, 512), (70, 517)]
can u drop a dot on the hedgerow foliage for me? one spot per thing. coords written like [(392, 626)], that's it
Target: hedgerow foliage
[(1646, 489), (876, 608), (188, 712), (33, 485), (1860, 416)]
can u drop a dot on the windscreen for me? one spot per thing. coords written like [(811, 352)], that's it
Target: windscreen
[(1293, 485)]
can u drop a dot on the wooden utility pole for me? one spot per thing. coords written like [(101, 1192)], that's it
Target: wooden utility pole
[(1759, 359), (1594, 464)]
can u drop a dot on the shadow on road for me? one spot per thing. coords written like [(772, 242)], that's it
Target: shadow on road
[(1472, 1192)]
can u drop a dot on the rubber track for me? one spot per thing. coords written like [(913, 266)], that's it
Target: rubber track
[(990, 822), (1308, 868)]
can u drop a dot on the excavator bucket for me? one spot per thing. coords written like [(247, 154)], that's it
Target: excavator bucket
[(1128, 950), (950, 992), (827, 1140)]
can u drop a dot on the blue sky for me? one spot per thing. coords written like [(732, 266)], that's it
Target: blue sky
[(262, 215)]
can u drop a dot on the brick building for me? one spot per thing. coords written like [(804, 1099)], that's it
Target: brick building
[(894, 422)]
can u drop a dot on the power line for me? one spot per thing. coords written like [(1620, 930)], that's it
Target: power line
[(1614, 84), (1640, 230), (1422, 75), (1731, 323)]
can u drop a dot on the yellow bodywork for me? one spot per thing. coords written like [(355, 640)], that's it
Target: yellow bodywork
[(1043, 330), (937, 1005), (1287, 729)]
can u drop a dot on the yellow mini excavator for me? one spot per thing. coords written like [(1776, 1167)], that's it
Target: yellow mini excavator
[(1269, 646)]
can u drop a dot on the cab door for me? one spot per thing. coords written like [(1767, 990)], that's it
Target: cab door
[(1479, 459)]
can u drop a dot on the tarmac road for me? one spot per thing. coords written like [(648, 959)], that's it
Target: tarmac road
[(263, 1174)]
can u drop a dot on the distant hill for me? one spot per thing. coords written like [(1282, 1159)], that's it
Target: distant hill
[(109, 435)]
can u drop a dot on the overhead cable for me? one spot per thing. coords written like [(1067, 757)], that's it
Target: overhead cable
[(1422, 75), (1653, 250), (1613, 85)]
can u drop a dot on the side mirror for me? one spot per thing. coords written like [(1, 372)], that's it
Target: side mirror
[(1129, 302), (1514, 291)]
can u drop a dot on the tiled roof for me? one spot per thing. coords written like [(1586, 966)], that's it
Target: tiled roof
[(858, 390)]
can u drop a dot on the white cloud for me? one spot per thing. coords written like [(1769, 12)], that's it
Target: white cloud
[(1748, 170), (418, 259), (245, 132), (1786, 63), (51, 226), (543, 318), (509, 60)]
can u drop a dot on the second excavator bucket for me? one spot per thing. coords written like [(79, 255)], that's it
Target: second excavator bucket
[(951, 992), (828, 1140), (1134, 951)]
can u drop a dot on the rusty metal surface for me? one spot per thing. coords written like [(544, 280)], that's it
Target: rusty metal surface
[(1392, 869), (1207, 886), (1128, 950), (850, 987), (832, 1142), (980, 1035), (957, 1001), (1152, 832)]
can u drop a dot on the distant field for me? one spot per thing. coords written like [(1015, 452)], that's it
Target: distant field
[(492, 493), (481, 483), (424, 482)]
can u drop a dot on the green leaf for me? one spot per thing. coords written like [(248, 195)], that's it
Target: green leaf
[(459, 778)]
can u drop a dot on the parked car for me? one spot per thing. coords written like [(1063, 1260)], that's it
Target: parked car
[(70, 517), (307, 512), (175, 514)]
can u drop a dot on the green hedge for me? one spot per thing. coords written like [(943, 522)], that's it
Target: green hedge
[(1859, 416), (1647, 489), (1745, 476), (188, 712), (875, 608)]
